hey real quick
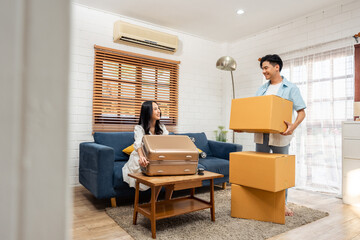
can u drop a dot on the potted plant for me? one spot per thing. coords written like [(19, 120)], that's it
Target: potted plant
[(220, 134)]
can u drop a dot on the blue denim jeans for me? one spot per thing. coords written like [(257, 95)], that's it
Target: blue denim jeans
[(266, 149)]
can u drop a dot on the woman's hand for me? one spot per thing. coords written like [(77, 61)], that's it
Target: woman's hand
[(143, 161)]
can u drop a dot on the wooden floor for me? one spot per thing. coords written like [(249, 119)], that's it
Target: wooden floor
[(91, 222)]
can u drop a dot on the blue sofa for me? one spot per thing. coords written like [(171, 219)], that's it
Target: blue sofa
[(101, 162)]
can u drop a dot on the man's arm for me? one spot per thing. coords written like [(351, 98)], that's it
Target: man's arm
[(292, 126)]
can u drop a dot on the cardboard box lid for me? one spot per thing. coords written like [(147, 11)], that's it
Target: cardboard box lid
[(267, 171)]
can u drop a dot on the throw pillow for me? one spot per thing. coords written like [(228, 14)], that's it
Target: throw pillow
[(201, 153), (129, 149)]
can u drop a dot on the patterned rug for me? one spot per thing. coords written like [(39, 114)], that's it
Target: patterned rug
[(198, 225)]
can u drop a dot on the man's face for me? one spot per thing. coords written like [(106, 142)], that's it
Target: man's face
[(269, 70)]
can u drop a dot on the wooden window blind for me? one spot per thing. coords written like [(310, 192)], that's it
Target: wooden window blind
[(124, 80)]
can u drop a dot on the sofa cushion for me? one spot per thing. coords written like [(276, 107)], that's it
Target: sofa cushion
[(201, 141), (216, 165), (201, 166), (116, 140), (118, 176)]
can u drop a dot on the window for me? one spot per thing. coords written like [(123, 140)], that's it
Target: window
[(326, 82), (124, 80)]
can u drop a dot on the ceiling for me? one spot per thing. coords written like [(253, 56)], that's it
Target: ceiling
[(214, 20)]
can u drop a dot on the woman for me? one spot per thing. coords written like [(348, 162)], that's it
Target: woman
[(149, 124)]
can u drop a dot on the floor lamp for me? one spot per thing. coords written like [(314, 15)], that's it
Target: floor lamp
[(227, 63)]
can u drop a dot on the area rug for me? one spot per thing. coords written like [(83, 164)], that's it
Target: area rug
[(198, 225)]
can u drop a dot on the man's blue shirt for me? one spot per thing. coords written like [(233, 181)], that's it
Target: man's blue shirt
[(288, 91)]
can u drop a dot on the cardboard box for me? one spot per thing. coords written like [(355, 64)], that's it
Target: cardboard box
[(251, 203), (267, 171), (265, 114)]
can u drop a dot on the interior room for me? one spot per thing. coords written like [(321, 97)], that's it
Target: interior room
[(62, 61)]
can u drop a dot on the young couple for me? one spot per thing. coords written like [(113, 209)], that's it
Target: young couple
[(271, 65)]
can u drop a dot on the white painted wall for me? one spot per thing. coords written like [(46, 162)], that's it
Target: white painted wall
[(318, 28), (35, 192), (201, 100)]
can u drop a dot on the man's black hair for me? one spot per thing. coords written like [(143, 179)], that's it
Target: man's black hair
[(273, 59)]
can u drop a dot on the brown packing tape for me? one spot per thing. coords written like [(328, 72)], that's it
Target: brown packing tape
[(266, 171), (251, 203)]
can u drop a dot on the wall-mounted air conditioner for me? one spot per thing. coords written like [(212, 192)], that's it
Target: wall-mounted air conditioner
[(126, 32)]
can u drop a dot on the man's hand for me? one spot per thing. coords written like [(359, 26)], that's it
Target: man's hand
[(143, 161), (290, 128)]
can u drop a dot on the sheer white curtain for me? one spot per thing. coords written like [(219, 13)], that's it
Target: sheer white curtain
[(326, 82)]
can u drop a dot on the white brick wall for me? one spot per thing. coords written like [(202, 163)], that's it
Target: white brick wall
[(200, 83), (331, 24)]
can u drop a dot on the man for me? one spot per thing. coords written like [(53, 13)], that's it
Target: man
[(271, 66)]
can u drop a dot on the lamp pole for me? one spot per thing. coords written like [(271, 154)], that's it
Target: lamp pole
[(233, 88), (232, 79), (227, 63)]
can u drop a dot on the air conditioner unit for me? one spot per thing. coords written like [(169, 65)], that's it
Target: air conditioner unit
[(126, 32)]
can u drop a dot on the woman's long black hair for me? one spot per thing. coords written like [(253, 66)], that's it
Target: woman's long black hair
[(145, 117)]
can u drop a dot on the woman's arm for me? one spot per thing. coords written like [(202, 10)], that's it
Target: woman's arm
[(142, 159), (139, 134)]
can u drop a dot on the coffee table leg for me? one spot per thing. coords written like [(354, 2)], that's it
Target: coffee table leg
[(136, 202), (192, 192), (212, 201), (169, 189), (153, 212)]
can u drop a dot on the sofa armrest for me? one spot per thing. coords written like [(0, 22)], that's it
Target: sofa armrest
[(96, 169), (223, 149)]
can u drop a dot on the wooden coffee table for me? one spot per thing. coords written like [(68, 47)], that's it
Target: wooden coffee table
[(172, 207)]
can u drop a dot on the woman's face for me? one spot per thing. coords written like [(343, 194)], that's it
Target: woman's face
[(156, 112)]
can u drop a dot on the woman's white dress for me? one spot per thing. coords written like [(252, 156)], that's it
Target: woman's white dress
[(132, 165)]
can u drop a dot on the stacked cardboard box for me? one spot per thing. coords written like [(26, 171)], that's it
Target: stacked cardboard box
[(258, 183), (259, 180)]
